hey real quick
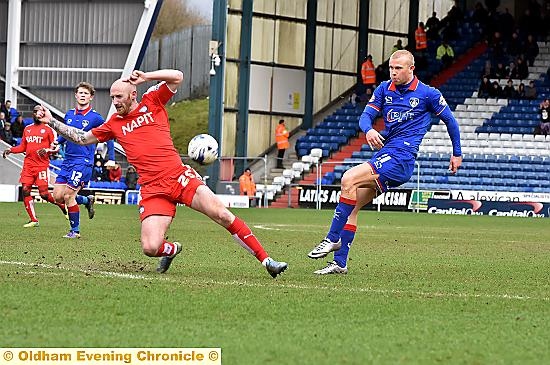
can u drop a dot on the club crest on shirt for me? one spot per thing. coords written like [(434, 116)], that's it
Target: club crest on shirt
[(388, 99), (85, 123), (414, 102), (42, 131), (143, 109)]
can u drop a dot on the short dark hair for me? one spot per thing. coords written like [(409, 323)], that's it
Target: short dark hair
[(281, 121)]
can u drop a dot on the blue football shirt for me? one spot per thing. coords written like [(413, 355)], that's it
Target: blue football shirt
[(407, 110), (82, 119)]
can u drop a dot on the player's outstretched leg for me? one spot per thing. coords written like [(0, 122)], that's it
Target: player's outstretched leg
[(206, 202), (242, 234)]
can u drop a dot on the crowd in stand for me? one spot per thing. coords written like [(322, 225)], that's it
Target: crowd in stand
[(513, 48)]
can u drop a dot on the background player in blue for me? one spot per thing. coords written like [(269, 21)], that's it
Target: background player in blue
[(406, 105), (76, 169)]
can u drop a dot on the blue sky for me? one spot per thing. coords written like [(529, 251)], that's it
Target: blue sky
[(203, 6)]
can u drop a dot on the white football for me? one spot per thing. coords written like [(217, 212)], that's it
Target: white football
[(203, 148)]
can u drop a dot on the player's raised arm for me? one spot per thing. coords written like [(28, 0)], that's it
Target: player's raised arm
[(173, 78), (75, 135)]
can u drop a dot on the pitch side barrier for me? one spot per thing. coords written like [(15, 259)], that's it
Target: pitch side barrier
[(491, 208), (498, 203)]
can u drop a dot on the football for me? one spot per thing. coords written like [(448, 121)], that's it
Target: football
[(203, 148)]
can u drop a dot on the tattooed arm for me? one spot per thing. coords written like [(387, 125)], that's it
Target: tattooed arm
[(73, 134)]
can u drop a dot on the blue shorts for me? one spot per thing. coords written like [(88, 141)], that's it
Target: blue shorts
[(74, 176), (394, 166)]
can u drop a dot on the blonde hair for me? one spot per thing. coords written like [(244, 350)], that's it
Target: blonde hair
[(403, 53)]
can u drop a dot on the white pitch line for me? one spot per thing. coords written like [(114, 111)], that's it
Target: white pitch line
[(277, 284)]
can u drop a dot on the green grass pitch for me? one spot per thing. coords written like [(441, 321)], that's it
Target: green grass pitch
[(421, 289)]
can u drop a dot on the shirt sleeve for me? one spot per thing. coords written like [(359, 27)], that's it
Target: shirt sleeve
[(372, 109), (159, 93), (104, 132), (439, 107), (436, 102), (22, 147)]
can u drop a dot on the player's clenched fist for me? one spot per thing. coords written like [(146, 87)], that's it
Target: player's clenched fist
[(135, 78), (6, 153)]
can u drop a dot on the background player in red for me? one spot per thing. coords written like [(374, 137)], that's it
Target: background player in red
[(37, 143), (143, 130)]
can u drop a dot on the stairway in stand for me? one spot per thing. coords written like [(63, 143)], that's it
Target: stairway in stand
[(283, 200)]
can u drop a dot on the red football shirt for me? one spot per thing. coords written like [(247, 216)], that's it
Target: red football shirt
[(34, 138), (145, 135)]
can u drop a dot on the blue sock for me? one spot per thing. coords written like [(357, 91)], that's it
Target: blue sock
[(347, 236), (341, 214), (81, 199), (74, 218)]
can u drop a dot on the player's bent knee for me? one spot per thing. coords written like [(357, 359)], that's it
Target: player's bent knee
[(149, 247)]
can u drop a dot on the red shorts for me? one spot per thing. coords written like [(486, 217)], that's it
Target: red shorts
[(161, 196), (38, 175)]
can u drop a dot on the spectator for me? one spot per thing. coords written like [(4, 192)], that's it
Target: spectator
[(509, 90), (496, 46), (479, 15), (99, 172), (17, 127), (531, 50), (513, 72), (6, 109), (521, 91), (420, 38), (523, 70), (487, 69), (456, 13), (544, 111), (495, 91), (531, 91), (514, 45), (506, 21), (247, 186), (281, 137), (382, 73), (485, 88), (500, 72), (432, 27), (115, 172), (2, 120), (131, 177), (368, 74), (397, 46), (445, 54), (6, 135)]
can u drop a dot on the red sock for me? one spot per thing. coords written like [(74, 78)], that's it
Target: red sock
[(28, 202), (166, 249), (244, 237)]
